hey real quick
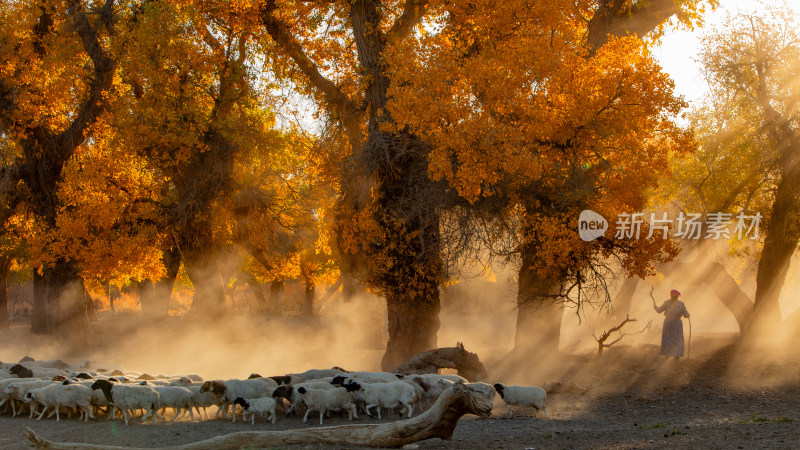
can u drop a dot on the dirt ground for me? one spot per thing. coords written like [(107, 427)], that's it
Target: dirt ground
[(721, 397)]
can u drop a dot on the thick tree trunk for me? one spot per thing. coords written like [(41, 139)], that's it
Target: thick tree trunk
[(783, 229), (208, 302), (780, 244), (258, 293), (147, 297), (413, 325), (624, 299), (275, 293), (66, 304), (539, 308), (155, 297), (308, 298), (351, 287), (5, 266), (39, 307)]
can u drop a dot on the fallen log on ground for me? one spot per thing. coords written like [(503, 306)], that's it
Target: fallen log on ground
[(466, 363), (439, 421)]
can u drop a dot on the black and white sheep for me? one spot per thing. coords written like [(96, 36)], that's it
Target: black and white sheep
[(126, 397), (531, 396), (227, 391), (261, 406)]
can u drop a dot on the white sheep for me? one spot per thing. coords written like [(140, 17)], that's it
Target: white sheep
[(57, 395), (200, 399), (324, 400), (16, 391), (532, 396), (227, 391), (315, 374), (98, 400), (179, 398), (194, 377), (364, 376), (385, 395), (126, 397), (261, 406), (5, 396)]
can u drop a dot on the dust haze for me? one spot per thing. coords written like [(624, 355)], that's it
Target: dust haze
[(480, 313)]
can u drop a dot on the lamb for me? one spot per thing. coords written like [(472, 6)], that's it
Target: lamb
[(57, 395), (385, 395), (324, 400), (125, 397), (227, 391), (533, 396), (260, 406)]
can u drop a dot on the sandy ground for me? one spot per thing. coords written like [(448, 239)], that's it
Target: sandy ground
[(722, 397)]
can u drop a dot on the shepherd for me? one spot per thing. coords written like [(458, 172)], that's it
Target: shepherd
[(672, 334)]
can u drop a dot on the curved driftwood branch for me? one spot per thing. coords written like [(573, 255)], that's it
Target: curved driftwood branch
[(466, 363), (439, 421)]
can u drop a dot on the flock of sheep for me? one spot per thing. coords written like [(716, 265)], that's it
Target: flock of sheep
[(38, 387)]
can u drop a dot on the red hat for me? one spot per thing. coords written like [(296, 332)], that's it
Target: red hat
[(674, 293)]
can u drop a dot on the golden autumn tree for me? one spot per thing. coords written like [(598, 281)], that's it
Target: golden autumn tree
[(280, 214), (192, 107), (199, 116), (54, 86), (534, 116), (351, 57), (752, 65)]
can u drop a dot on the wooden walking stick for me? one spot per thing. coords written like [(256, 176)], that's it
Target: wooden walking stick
[(689, 347)]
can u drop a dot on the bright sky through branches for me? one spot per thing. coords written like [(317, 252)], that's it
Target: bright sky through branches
[(678, 51)]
